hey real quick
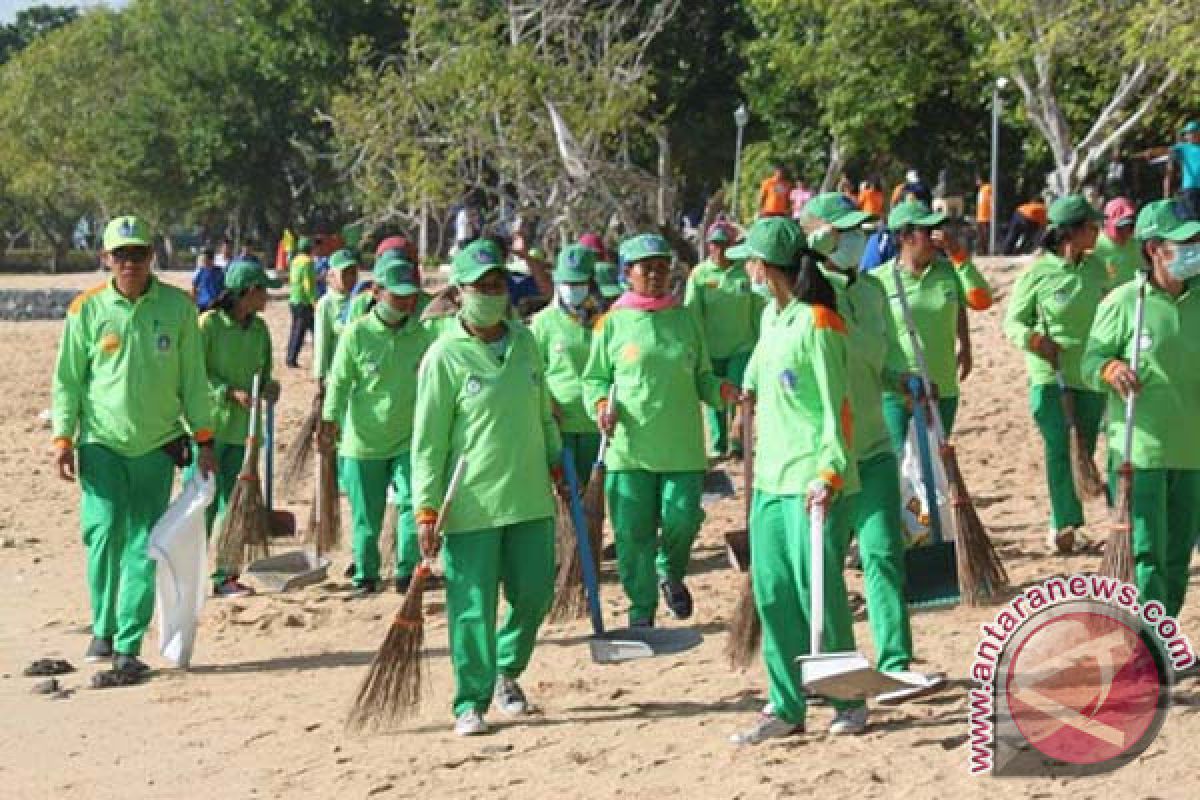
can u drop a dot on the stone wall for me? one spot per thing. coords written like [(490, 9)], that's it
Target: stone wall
[(26, 304)]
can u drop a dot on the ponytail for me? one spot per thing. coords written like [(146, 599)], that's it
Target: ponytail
[(811, 285)]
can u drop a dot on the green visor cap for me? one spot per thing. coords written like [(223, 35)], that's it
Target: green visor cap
[(304, 244), (246, 273), (1193, 126), (576, 264), (606, 279), (836, 209), (343, 259), (1071, 210), (915, 213), (396, 274), (643, 246), (775, 240), (474, 261), (1162, 220), (126, 232)]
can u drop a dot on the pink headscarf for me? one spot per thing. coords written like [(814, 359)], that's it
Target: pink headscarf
[(642, 302), (1117, 210)]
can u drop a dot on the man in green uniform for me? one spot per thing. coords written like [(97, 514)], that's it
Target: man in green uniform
[(1166, 439), (302, 280), (371, 391), (482, 397), (331, 313), (718, 293), (129, 376)]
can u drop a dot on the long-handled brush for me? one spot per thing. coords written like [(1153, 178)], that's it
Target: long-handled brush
[(300, 452), (980, 573), (593, 495), (325, 518), (246, 529), (1088, 481), (391, 690), (745, 628), (570, 599), (1118, 550)]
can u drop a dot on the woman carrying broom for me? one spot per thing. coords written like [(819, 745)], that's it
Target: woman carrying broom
[(1049, 315), (237, 346), (1165, 454), (371, 396), (654, 353), (797, 379), (482, 397)]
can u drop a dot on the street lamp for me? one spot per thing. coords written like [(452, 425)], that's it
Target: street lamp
[(740, 117), (999, 86)]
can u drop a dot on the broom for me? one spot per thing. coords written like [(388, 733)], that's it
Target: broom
[(980, 572), (593, 495), (325, 519), (301, 449), (1083, 469), (246, 529), (1118, 551), (745, 628), (570, 602), (391, 690)]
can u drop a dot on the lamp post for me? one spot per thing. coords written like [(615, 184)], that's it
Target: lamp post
[(740, 117), (998, 87)]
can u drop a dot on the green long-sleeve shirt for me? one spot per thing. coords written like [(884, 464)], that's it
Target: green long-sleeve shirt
[(302, 281), (371, 389), (496, 414), (1121, 261), (803, 418), (1055, 298), (874, 359), (130, 373), (564, 344), (935, 299), (725, 305), (1166, 424), (233, 355), (662, 372), (327, 327)]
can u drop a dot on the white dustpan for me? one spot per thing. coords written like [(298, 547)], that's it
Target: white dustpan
[(841, 676)]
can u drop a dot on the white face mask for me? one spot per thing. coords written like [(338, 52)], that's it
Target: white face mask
[(1186, 262), (572, 295)]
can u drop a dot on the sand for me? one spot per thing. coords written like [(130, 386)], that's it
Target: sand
[(261, 712)]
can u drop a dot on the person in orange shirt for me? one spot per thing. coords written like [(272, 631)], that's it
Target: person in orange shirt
[(774, 195), (870, 198), (983, 215), (1025, 228)]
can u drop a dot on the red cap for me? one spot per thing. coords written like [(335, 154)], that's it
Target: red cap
[(397, 243)]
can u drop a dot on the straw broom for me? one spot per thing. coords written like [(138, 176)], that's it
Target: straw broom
[(745, 627), (391, 690), (301, 449), (246, 529), (1083, 469), (593, 495), (325, 519), (570, 602)]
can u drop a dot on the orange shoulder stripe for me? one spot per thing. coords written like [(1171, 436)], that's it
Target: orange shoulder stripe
[(826, 318), (847, 423), (599, 323), (81, 298)]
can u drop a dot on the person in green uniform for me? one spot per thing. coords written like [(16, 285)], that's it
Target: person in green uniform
[(1166, 440), (875, 362), (482, 397), (1116, 248), (302, 283), (563, 331), (653, 351), (332, 310), (718, 293), (129, 377), (370, 400), (608, 282), (1049, 315), (940, 283), (797, 380), (237, 346)]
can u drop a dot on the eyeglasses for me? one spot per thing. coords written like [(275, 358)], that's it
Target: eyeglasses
[(134, 254)]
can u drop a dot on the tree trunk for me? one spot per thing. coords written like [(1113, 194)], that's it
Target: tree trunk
[(835, 166)]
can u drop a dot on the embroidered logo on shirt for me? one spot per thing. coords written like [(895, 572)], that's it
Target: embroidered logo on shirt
[(1062, 296), (630, 352), (559, 347), (788, 379), (110, 343), (163, 343), (1147, 342), (473, 386)]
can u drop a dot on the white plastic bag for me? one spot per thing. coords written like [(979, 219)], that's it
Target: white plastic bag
[(179, 545), (915, 510)]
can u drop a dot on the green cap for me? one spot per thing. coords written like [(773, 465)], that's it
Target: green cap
[(304, 244), (775, 240), (1071, 209), (343, 259), (246, 273), (606, 279), (126, 232), (836, 209), (643, 246), (576, 264), (474, 261), (1193, 126), (396, 274), (1162, 220), (914, 212)]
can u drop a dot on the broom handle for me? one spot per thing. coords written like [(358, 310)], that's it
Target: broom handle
[(591, 582), (1138, 318), (456, 477), (612, 399), (919, 355), (816, 577), (270, 458), (252, 430)]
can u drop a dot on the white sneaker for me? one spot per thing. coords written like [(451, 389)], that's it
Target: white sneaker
[(470, 723), (768, 726), (920, 683), (849, 721), (1061, 541), (509, 697)]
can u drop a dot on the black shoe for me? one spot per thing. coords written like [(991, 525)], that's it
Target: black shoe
[(609, 552), (130, 665), (402, 584), (677, 597), (365, 589), (99, 650), (351, 571)]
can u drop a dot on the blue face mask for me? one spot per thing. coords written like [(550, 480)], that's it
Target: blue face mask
[(823, 240), (1186, 263), (572, 295), (849, 251)]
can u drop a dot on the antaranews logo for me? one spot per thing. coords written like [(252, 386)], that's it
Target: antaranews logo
[(1073, 677)]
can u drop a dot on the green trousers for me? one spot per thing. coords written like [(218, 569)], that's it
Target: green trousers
[(229, 465), (780, 576), (122, 500), (732, 369), (896, 416), (641, 503), (521, 556), (873, 515), (585, 447), (366, 482), (1046, 404), (1166, 520)]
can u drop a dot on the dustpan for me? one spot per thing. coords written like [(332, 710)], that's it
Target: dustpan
[(287, 572)]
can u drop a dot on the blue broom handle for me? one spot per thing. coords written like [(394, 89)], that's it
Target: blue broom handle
[(591, 583)]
